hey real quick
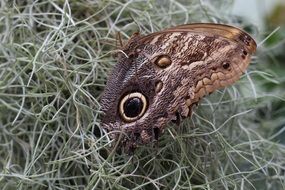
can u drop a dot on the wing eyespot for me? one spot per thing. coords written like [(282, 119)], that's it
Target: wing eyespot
[(245, 39), (244, 54), (158, 86), (163, 61), (132, 106), (226, 65)]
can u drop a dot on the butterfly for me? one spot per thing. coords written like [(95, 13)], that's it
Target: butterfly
[(160, 76)]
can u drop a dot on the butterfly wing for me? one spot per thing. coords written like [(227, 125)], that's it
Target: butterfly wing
[(210, 29), (161, 75)]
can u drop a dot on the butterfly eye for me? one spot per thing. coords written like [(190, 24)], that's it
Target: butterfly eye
[(132, 106), (163, 61)]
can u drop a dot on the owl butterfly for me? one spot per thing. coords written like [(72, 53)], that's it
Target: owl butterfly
[(160, 76)]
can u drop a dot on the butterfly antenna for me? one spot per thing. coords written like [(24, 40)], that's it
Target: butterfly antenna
[(119, 41)]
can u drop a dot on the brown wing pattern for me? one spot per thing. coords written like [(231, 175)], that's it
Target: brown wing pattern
[(161, 75)]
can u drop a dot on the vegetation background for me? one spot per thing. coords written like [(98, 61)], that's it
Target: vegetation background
[(55, 56)]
